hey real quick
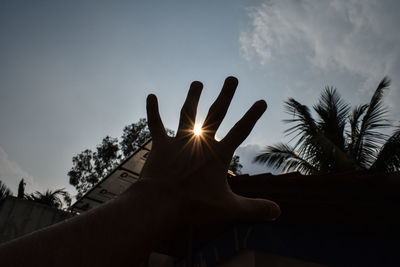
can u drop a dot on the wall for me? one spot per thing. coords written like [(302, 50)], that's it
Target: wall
[(19, 217)]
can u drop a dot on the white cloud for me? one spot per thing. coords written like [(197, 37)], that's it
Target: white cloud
[(11, 173), (359, 37)]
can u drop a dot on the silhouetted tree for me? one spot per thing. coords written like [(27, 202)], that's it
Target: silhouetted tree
[(388, 159), (134, 135), (21, 189), (89, 167), (53, 199), (235, 165), (338, 140), (4, 191)]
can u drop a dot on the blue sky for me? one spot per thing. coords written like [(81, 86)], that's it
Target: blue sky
[(72, 72)]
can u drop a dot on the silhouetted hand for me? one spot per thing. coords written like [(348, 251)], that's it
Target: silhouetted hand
[(192, 170), (182, 182)]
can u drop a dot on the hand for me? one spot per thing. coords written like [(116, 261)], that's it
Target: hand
[(193, 169), (182, 182)]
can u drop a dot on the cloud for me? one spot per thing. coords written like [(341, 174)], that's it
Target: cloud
[(359, 37), (11, 173)]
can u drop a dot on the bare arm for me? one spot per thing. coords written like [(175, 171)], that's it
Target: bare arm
[(183, 182)]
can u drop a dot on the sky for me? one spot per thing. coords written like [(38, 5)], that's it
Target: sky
[(72, 72)]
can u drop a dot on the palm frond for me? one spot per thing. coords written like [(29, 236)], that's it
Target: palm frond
[(321, 144), (330, 157), (369, 137), (283, 156), (304, 123), (328, 144), (50, 198), (333, 112), (354, 121), (4, 191), (388, 159)]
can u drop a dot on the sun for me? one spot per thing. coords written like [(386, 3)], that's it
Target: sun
[(197, 129)]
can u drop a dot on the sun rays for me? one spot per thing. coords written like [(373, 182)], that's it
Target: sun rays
[(197, 129)]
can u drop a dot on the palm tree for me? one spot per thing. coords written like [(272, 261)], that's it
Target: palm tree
[(338, 140), (51, 198), (4, 191), (388, 159), (21, 188)]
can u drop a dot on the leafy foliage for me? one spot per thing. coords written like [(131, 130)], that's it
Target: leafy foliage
[(53, 199), (107, 156), (338, 140), (388, 159), (89, 167), (133, 136), (285, 156), (82, 174), (4, 191), (235, 165), (369, 139)]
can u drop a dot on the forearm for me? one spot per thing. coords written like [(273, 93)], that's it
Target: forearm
[(184, 183), (124, 230)]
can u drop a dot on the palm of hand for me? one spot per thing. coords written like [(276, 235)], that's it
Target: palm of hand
[(194, 168)]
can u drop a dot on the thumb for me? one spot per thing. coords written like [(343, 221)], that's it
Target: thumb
[(251, 209)]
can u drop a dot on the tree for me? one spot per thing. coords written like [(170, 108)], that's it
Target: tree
[(235, 165), (107, 156), (4, 191), (133, 136), (21, 189), (388, 159), (89, 167), (54, 199), (338, 140)]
